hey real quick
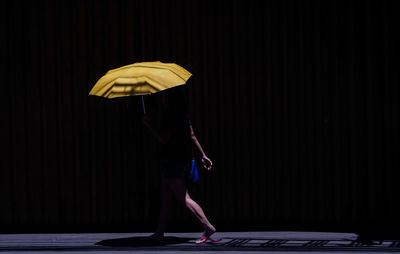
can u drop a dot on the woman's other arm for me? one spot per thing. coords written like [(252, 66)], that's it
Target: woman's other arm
[(207, 163)]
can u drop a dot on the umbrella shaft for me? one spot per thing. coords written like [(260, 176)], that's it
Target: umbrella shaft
[(144, 108)]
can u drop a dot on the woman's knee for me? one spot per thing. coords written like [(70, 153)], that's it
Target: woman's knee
[(185, 200), (188, 201)]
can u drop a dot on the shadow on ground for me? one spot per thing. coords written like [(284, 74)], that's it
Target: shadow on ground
[(142, 241)]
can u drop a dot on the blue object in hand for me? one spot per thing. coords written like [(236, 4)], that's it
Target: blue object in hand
[(194, 174)]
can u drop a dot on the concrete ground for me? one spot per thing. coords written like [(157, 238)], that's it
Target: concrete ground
[(231, 242)]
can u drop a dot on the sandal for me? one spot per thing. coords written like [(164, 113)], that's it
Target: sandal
[(202, 240), (205, 239)]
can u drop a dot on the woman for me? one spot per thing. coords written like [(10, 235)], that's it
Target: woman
[(177, 138)]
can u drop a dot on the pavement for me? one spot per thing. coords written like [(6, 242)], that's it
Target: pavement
[(231, 242)]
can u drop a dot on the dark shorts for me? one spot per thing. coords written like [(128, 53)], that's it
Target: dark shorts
[(175, 169)]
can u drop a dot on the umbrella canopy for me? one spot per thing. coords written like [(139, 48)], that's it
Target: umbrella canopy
[(140, 79)]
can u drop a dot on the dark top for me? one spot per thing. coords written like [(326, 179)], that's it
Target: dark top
[(179, 144)]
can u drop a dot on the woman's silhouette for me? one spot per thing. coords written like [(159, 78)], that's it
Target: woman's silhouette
[(179, 144)]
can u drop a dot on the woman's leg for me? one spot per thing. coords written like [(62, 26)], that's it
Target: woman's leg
[(179, 189), (165, 205)]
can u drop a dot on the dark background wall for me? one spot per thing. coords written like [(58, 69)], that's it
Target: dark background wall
[(296, 102)]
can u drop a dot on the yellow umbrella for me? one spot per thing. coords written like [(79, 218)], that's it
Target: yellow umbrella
[(140, 79)]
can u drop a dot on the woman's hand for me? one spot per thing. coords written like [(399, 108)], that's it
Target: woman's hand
[(207, 163)]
